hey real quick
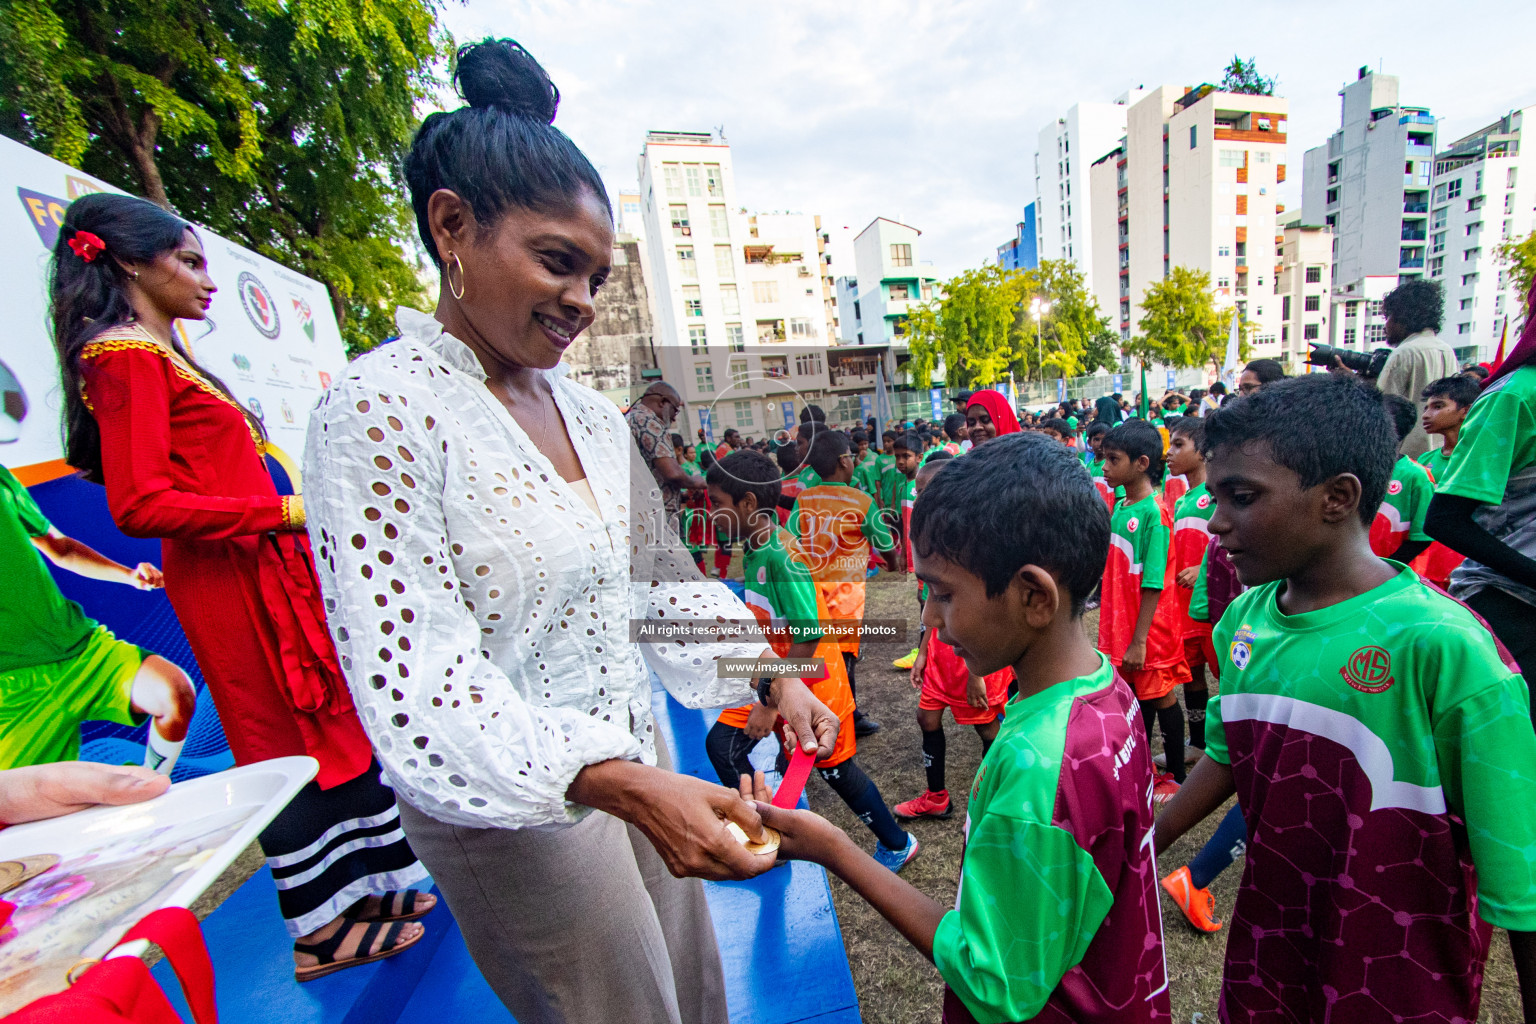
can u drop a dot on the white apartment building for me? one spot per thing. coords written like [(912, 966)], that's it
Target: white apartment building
[(1200, 174), (1108, 196), (1483, 194), (1303, 289), (1068, 146), (1370, 184), (891, 278), (732, 292)]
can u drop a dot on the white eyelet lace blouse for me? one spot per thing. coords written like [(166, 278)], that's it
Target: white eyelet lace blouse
[(480, 608)]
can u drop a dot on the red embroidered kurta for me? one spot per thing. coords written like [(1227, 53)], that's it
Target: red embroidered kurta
[(181, 463)]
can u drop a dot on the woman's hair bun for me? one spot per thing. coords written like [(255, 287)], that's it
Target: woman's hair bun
[(499, 73)]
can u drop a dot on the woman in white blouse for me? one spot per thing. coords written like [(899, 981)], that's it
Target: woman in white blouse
[(486, 534)]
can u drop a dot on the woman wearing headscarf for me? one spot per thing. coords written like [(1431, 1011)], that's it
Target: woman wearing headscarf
[(1485, 503), (987, 415)]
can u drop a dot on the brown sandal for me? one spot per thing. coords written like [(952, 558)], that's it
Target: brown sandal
[(393, 903), (325, 950)]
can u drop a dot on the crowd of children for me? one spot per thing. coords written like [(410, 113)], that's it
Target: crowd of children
[(1375, 733)]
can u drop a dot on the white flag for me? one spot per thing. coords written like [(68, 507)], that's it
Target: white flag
[(1229, 368)]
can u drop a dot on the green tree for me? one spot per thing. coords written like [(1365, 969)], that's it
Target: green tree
[(984, 327), (1519, 254), (277, 123), (1243, 76), (1180, 324)]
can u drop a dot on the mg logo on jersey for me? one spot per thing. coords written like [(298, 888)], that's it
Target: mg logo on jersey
[(1395, 487), (258, 304), (1130, 527), (1241, 648), (1368, 670)]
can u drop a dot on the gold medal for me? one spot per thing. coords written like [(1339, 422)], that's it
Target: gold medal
[(770, 843)]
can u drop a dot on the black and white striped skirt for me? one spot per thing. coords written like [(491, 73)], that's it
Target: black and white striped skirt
[(331, 847)]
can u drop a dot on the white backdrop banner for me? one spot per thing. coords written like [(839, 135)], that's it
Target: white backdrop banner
[(270, 333)]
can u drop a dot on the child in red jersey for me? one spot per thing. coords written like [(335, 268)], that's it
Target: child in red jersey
[(1139, 624), (944, 683), (1191, 535), (1056, 915)]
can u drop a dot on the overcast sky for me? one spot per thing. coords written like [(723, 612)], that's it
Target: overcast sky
[(929, 112)]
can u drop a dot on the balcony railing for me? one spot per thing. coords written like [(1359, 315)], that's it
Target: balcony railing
[(1415, 207), (1412, 233), (1413, 263)]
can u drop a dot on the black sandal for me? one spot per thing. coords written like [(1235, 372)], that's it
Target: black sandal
[(394, 903), (325, 950)]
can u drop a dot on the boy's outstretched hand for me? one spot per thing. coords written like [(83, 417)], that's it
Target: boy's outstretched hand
[(803, 835)]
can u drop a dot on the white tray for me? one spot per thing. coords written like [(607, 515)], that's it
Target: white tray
[(119, 863)]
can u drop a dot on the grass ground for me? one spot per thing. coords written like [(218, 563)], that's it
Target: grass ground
[(895, 984)]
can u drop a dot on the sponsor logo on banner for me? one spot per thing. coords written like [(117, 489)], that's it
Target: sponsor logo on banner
[(258, 304), (45, 212), (1368, 670), (305, 317), (241, 363), (1241, 648), (76, 186)]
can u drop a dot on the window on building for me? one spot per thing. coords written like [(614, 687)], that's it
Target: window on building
[(899, 292), (1437, 242), (1437, 219), (765, 291), (1510, 178), (743, 412), (1477, 185), (802, 329), (704, 378), (856, 314), (1223, 250), (770, 331), (1223, 282), (719, 223), (715, 181), (1285, 332), (672, 174), (1314, 275), (1264, 156), (1349, 335), (730, 300), (1313, 303), (1285, 307), (688, 266), (693, 301), (1309, 332), (1232, 157), (1376, 334), (1437, 266), (1463, 328), (808, 364), (1333, 196), (1469, 255), (698, 340), (738, 371), (1453, 188), (680, 226), (1509, 202), (725, 263), (1194, 135), (1509, 229), (927, 290), (901, 254), (734, 339), (695, 178), (1468, 279)]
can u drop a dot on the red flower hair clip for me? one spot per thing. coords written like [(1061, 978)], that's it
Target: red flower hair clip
[(87, 246)]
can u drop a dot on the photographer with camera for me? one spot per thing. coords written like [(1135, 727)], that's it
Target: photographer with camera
[(1414, 311)]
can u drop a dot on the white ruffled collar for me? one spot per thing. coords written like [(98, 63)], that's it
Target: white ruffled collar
[(426, 330)]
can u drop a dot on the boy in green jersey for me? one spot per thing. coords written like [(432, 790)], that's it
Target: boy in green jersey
[(58, 668), (1056, 916), (1381, 751), (1397, 532), (1446, 404)]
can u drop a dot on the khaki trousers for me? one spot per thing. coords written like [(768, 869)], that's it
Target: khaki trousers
[(577, 925)]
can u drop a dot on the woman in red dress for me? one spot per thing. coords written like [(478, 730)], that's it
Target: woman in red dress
[(183, 461)]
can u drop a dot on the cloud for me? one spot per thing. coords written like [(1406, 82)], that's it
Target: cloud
[(929, 112)]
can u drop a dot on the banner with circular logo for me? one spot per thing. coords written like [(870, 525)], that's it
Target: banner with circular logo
[(258, 304)]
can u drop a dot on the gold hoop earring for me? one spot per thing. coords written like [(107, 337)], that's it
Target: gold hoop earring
[(457, 293)]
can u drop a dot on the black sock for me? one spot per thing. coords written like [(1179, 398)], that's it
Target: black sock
[(849, 661), (1172, 724), (1194, 713), (728, 747), (1148, 715), (933, 759), (863, 799)]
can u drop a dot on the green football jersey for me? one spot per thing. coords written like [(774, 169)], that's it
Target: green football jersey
[(1495, 463), (1057, 908), (1435, 460), (779, 589), (1385, 763), (1401, 514)]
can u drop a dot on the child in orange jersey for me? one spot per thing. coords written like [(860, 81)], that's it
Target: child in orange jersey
[(838, 525)]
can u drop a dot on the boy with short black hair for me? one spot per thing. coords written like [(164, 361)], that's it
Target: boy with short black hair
[(1446, 404), (1138, 619), (1397, 532), (1191, 536), (1381, 751), (1056, 916), (744, 490), (905, 462), (1093, 458)]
